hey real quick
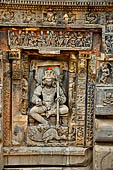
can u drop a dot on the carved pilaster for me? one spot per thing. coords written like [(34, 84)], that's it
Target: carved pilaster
[(25, 72), (103, 114), (91, 69), (81, 94), (72, 95), (6, 100), (1, 110), (19, 98)]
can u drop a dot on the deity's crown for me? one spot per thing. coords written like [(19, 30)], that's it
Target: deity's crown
[(49, 74)]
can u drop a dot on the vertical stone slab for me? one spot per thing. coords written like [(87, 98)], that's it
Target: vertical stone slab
[(103, 137), (19, 98), (6, 101), (81, 95), (91, 69), (1, 109), (72, 94)]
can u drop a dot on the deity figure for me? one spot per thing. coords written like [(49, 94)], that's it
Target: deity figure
[(105, 73), (48, 98)]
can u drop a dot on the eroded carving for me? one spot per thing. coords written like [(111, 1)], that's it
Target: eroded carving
[(46, 17), (50, 38), (49, 101), (16, 66), (109, 43), (105, 74), (92, 18), (48, 90), (90, 111), (108, 99), (109, 18)]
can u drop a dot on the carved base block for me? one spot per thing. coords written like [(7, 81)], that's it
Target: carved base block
[(89, 167), (46, 135), (104, 130), (103, 157), (52, 156)]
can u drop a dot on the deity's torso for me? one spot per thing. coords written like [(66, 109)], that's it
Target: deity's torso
[(48, 95)]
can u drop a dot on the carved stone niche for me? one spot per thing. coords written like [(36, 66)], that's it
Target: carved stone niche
[(48, 110)]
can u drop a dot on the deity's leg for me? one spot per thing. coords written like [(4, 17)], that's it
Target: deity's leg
[(34, 112), (63, 109)]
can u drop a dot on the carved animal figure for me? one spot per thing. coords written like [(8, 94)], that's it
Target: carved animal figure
[(51, 134)]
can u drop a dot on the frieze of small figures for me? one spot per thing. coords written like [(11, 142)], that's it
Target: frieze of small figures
[(46, 17), (50, 38), (19, 17)]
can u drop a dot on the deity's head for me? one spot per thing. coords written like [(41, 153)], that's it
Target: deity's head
[(49, 78)]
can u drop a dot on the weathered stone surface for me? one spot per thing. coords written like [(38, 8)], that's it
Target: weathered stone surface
[(44, 126), (104, 104), (53, 168), (67, 156), (103, 130), (103, 157)]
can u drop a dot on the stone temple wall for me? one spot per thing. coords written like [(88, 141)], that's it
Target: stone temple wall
[(56, 85)]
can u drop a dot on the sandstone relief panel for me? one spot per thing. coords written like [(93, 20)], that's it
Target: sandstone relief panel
[(60, 39), (45, 17), (49, 105), (104, 75), (52, 94)]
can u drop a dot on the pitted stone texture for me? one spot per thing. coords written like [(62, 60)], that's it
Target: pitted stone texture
[(104, 130), (103, 157), (104, 101)]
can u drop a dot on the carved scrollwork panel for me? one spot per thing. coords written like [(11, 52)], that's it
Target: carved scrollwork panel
[(6, 101)]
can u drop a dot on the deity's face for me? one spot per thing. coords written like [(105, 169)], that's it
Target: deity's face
[(49, 78), (48, 82)]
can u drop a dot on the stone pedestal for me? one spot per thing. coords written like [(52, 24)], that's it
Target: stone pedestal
[(47, 156)]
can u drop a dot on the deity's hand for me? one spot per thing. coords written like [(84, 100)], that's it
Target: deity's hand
[(59, 99), (39, 102)]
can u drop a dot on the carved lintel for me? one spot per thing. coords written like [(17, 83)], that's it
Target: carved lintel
[(50, 39)]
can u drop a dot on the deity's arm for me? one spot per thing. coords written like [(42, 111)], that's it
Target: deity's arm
[(36, 95), (62, 96)]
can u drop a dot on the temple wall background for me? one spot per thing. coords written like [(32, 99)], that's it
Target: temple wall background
[(75, 39)]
